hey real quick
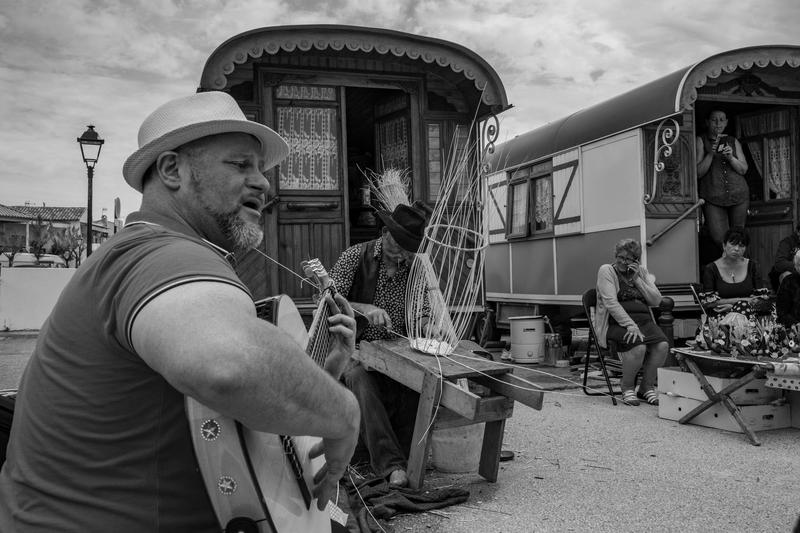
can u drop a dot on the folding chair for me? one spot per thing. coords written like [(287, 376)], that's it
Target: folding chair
[(589, 300), (608, 357)]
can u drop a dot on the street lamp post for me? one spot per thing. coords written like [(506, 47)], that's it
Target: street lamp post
[(91, 143)]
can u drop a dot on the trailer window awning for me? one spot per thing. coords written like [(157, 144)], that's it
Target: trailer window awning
[(649, 103)]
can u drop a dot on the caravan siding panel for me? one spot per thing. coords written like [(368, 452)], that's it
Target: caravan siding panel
[(498, 276), (567, 192), (496, 207), (673, 258), (579, 257), (532, 263), (612, 182)]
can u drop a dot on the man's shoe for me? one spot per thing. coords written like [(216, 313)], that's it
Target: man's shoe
[(398, 478)]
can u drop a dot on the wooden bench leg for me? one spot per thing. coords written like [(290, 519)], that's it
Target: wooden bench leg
[(490, 451), (423, 426)]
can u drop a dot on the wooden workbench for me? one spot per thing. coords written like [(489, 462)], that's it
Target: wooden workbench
[(435, 379)]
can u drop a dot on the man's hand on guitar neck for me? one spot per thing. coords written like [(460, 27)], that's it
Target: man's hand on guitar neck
[(342, 326)]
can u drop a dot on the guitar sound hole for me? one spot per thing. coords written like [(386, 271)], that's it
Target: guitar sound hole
[(265, 309), (241, 524)]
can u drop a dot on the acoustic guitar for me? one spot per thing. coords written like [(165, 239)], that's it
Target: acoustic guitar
[(260, 482)]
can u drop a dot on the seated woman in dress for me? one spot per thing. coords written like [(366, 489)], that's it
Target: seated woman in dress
[(625, 293), (787, 303), (732, 283)]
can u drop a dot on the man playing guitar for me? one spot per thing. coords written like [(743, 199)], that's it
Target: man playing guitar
[(100, 438)]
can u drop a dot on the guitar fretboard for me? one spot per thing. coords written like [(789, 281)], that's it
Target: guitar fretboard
[(319, 342)]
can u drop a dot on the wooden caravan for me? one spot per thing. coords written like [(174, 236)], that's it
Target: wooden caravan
[(563, 194), (348, 100)]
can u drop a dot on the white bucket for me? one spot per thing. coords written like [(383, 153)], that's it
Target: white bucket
[(527, 338), (458, 449)]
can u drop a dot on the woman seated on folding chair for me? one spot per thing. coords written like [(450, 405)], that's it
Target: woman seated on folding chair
[(625, 293)]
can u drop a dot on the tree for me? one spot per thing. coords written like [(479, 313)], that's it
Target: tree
[(42, 236), (70, 245), (16, 245)]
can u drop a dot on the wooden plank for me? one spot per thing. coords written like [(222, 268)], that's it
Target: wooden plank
[(461, 401), (461, 364), (515, 387), (422, 431), (490, 409), (398, 368), (490, 451)]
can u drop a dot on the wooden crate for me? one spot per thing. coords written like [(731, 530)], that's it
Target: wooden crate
[(757, 417), (685, 384)]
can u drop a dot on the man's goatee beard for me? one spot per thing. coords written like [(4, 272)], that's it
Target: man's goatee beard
[(243, 235)]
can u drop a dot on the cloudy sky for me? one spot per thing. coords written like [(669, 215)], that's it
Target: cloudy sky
[(68, 63)]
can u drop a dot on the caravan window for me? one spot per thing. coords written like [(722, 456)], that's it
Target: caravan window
[(530, 201)]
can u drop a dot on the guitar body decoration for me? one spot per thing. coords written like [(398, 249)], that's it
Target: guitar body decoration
[(260, 482)]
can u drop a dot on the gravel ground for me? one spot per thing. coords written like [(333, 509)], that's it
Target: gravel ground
[(584, 465)]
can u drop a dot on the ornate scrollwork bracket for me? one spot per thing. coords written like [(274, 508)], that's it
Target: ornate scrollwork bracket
[(666, 135), (490, 131)]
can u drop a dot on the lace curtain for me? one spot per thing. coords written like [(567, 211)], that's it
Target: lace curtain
[(519, 207), (778, 149), (312, 134), (543, 215), (393, 138), (780, 176)]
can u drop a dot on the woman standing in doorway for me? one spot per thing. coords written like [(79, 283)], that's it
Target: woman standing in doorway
[(721, 167)]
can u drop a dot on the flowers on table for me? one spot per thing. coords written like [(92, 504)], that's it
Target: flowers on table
[(740, 337)]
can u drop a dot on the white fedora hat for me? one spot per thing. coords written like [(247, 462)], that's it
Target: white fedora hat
[(189, 118)]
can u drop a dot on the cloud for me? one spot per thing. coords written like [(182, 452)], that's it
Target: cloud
[(69, 63)]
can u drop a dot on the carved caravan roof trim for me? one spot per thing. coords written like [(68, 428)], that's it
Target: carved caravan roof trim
[(274, 39), (744, 58)]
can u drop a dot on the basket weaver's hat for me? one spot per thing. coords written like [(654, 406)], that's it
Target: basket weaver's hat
[(189, 118), (406, 224)]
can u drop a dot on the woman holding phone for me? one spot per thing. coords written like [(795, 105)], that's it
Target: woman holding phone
[(721, 166), (625, 293)]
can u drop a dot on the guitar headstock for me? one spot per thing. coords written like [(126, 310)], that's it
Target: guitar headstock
[(314, 270)]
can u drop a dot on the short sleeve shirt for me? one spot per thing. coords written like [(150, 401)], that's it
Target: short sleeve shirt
[(100, 439)]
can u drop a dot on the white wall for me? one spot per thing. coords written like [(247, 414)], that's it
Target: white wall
[(612, 183), (27, 295)]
